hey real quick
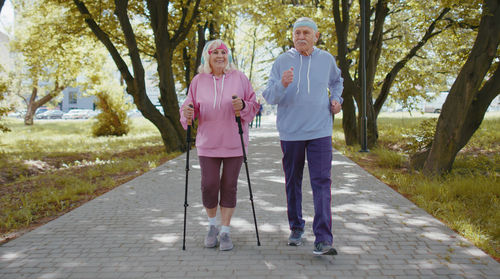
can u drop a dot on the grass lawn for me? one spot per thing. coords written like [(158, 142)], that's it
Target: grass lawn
[(54, 166), (467, 199)]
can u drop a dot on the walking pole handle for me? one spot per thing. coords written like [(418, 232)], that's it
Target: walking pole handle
[(237, 113), (190, 121)]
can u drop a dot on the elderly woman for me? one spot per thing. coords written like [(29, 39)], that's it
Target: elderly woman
[(210, 100)]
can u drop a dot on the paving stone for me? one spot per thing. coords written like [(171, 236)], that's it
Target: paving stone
[(136, 230)]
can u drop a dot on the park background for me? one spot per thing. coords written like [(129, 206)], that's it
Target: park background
[(136, 58)]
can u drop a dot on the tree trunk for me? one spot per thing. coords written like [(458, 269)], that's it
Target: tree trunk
[(186, 59), (30, 108), (371, 126), (349, 120), (169, 126), (34, 104), (457, 109), (374, 45), (137, 85), (252, 58), (175, 132), (352, 87), (479, 106), (165, 44), (348, 108), (201, 44)]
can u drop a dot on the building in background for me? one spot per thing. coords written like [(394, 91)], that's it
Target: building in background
[(73, 99), (6, 59)]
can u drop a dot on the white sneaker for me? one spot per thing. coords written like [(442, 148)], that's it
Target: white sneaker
[(211, 238), (225, 242)]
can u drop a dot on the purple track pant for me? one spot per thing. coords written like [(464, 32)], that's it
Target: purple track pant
[(319, 159)]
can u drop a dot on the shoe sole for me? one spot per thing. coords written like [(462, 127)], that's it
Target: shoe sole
[(207, 246), (295, 243), (330, 252), (226, 249)]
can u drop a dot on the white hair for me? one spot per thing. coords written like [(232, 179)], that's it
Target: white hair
[(205, 58)]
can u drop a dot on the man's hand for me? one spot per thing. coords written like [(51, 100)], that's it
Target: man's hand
[(287, 77), (335, 107)]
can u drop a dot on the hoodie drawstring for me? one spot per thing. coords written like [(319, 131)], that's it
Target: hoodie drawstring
[(308, 71), (215, 90), (308, 80), (300, 70)]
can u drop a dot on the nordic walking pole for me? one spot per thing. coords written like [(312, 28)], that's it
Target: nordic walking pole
[(188, 140), (238, 120)]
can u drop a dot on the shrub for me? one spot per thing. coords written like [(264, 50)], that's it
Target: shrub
[(112, 121), (421, 137), (389, 159)]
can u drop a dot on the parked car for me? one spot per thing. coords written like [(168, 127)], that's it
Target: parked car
[(41, 110), (78, 114), (17, 114), (50, 114), (93, 113)]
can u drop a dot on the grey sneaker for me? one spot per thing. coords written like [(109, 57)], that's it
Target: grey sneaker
[(225, 242), (322, 248), (295, 238), (211, 238)]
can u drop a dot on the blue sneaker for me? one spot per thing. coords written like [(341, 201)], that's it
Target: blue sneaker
[(295, 238), (322, 248)]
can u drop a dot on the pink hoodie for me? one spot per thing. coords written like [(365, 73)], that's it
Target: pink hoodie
[(217, 134)]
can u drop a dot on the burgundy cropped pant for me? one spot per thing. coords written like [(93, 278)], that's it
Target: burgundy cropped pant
[(213, 183)]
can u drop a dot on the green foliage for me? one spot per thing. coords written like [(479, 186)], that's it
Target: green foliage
[(421, 138), (51, 54), (3, 112), (389, 159), (4, 107), (112, 121)]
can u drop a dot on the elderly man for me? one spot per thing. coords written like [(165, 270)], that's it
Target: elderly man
[(299, 82)]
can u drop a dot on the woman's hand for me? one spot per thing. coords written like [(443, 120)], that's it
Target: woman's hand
[(188, 112), (237, 104)]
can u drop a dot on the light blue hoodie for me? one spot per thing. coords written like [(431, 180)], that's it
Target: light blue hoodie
[(304, 106)]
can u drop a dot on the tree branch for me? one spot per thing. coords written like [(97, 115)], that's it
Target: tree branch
[(104, 38), (479, 106), (184, 30), (375, 45), (463, 25), (391, 76), (342, 28)]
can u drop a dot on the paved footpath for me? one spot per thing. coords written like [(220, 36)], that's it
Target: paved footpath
[(135, 231)]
